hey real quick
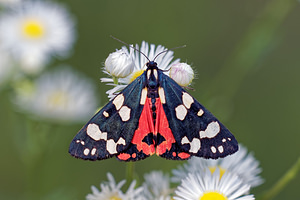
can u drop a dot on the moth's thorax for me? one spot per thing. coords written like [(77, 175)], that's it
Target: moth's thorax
[(152, 86)]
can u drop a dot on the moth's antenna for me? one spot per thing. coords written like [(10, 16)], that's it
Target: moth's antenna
[(183, 46), (130, 46)]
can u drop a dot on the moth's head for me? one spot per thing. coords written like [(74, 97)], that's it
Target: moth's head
[(151, 64)]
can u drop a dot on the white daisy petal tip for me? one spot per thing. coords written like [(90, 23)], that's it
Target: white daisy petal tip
[(157, 186), (241, 163), (112, 190)]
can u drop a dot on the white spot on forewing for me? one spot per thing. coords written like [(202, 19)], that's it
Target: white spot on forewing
[(181, 112), (187, 100), (80, 141), (213, 149), (211, 130), (200, 112), (93, 152), (111, 145), (195, 145), (143, 96), (118, 101), (105, 114), (95, 133), (148, 74), (161, 94), (155, 73), (223, 140), (86, 151), (221, 149), (185, 140), (124, 113), (121, 141)]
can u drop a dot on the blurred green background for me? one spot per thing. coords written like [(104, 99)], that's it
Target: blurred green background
[(245, 55)]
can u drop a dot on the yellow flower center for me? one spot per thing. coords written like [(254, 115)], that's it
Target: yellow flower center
[(136, 74), (58, 99), (33, 29), (115, 198), (213, 169), (213, 196)]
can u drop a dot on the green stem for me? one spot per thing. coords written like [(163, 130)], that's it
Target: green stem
[(32, 155), (282, 182), (115, 79), (129, 172)]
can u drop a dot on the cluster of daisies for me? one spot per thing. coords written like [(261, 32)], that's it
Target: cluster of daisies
[(33, 34), (229, 178)]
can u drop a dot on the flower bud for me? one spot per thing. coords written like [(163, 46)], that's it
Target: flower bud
[(182, 73), (119, 64)]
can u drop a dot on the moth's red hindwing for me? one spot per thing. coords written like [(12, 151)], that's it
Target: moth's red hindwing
[(166, 145), (142, 143), (162, 128), (132, 154), (144, 129)]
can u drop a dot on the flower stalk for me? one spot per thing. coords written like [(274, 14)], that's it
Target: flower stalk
[(130, 167), (282, 182)]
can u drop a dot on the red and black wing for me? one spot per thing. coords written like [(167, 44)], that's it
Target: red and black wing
[(110, 132), (194, 129), (125, 127)]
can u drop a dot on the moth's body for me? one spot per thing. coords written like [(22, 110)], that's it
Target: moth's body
[(153, 114), (152, 86)]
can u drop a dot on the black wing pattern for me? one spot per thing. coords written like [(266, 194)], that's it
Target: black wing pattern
[(110, 131), (196, 131)]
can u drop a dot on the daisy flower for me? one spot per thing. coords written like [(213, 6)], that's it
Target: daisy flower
[(33, 31), (157, 186), (61, 95), (112, 191), (209, 186), (241, 163), (137, 63)]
